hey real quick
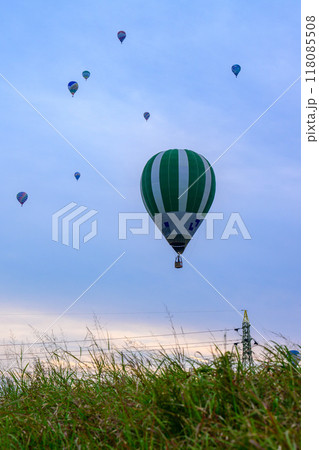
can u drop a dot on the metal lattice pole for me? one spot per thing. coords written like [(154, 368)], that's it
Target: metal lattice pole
[(246, 341)]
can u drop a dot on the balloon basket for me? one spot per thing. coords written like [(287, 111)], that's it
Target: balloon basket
[(178, 262)]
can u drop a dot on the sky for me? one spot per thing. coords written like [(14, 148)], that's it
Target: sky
[(175, 63)]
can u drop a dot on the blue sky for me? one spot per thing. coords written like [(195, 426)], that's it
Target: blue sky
[(175, 63)]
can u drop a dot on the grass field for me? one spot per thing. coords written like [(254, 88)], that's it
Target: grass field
[(151, 401)]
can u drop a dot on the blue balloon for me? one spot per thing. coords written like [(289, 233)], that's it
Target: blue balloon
[(121, 35), (77, 175), (146, 115), (236, 69), (73, 87), (86, 74), (295, 356), (22, 197)]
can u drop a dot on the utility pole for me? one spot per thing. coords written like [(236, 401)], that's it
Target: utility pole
[(246, 341)]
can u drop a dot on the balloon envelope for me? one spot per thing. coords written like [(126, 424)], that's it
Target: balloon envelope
[(73, 87), (295, 356), (121, 35), (178, 188), (236, 69), (146, 115), (77, 175), (86, 74), (22, 197)]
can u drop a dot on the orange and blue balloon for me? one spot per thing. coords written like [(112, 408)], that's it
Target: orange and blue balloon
[(22, 197), (236, 69), (146, 115), (73, 87), (77, 175), (121, 35), (86, 74)]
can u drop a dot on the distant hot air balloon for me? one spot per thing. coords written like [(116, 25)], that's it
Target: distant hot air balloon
[(22, 197), (146, 115), (296, 357), (73, 87), (121, 35), (77, 175), (86, 74), (236, 69), (178, 188)]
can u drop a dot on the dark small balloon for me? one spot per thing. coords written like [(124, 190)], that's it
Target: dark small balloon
[(236, 69), (146, 115), (77, 175), (22, 197), (86, 74), (121, 35), (295, 356)]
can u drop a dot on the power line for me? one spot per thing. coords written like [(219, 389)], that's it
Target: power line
[(136, 349), (112, 313), (86, 349), (120, 338)]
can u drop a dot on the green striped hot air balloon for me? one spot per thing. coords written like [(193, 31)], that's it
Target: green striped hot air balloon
[(178, 188)]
